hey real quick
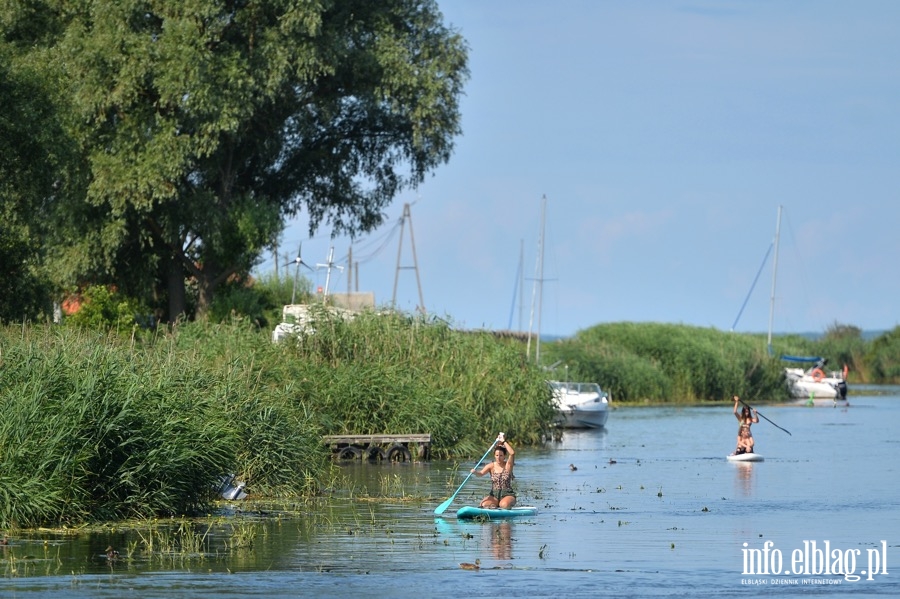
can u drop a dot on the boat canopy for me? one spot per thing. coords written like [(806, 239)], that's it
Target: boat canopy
[(804, 359)]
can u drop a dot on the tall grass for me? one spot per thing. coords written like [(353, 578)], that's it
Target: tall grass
[(97, 427), (393, 373), (882, 359), (663, 362), (666, 362), (93, 430)]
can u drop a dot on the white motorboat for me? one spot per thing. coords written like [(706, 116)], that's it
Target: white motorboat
[(579, 405), (815, 384)]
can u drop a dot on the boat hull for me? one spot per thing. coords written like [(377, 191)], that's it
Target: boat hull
[(745, 457), (804, 385), (579, 405), (469, 512)]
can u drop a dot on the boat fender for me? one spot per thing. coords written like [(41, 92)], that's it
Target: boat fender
[(818, 375)]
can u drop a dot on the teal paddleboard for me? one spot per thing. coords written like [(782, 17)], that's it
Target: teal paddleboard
[(470, 513)]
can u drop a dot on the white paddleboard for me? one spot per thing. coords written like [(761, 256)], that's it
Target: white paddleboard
[(745, 457)]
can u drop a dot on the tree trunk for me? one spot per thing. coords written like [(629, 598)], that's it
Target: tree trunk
[(175, 289), (204, 294)]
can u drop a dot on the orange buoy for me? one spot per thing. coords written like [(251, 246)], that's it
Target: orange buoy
[(818, 375)]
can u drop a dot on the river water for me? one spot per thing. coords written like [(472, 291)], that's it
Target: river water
[(648, 507)]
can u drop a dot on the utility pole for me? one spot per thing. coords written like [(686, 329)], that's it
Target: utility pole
[(349, 272), (407, 217), (275, 251)]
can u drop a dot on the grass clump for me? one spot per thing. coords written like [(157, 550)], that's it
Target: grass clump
[(663, 362), (97, 427)]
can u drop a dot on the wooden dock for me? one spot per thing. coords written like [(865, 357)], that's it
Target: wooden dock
[(376, 448)]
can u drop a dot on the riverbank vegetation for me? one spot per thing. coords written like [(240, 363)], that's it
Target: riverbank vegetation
[(102, 419), (104, 425), (640, 362)]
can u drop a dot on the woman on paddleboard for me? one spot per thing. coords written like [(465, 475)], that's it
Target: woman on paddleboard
[(744, 442), (501, 471), (746, 417)]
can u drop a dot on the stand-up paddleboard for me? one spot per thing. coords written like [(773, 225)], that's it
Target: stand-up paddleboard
[(745, 457), (468, 512)]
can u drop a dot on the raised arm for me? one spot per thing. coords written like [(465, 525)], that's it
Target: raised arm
[(510, 455)]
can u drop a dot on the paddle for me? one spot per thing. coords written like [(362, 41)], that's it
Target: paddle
[(443, 507), (758, 413)]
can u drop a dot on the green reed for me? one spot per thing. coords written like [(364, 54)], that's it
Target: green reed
[(663, 362), (242, 536), (91, 430), (94, 427), (390, 373)]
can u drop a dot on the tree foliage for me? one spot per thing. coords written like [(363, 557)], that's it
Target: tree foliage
[(207, 123), (34, 152)]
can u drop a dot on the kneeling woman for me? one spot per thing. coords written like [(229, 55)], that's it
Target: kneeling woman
[(501, 471)]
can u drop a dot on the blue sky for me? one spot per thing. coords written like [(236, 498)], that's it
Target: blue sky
[(664, 135)]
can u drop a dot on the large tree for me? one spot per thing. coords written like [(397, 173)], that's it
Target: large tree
[(35, 155), (207, 123)]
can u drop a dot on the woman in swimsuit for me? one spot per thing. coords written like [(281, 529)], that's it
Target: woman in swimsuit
[(501, 471), (744, 442), (746, 418)]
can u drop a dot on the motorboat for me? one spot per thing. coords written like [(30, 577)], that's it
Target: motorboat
[(814, 383), (579, 405)]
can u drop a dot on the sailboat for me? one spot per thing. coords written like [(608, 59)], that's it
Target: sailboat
[(809, 381), (578, 405)]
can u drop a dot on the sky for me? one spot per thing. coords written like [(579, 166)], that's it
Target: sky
[(664, 137)]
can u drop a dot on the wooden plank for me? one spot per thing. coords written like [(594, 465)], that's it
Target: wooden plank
[(362, 446), (424, 438)]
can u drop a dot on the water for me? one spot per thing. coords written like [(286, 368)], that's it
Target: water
[(652, 509)]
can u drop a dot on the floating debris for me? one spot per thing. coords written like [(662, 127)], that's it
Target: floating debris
[(232, 489)]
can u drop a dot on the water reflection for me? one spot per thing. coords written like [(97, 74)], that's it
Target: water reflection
[(493, 538), (743, 482), (501, 540)]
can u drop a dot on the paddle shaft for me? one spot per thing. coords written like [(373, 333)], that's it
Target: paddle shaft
[(443, 507), (758, 413)]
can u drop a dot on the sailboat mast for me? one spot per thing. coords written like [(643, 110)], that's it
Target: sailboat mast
[(774, 274), (537, 350), (521, 281), (537, 291)]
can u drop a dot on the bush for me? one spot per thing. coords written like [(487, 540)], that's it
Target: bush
[(105, 309)]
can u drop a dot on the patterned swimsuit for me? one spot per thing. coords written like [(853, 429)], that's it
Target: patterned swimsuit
[(501, 484)]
